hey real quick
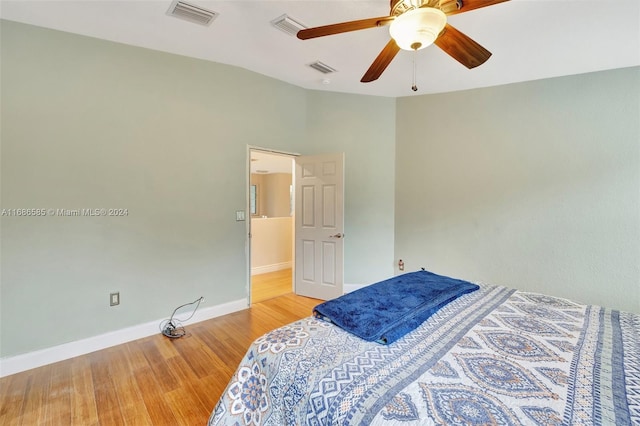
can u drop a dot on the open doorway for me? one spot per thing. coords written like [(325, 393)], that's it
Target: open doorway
[(272, 228)]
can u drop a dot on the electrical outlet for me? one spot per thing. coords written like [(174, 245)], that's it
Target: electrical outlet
[(114, 298)]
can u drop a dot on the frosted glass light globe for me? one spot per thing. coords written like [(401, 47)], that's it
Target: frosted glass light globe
[(417, 28)]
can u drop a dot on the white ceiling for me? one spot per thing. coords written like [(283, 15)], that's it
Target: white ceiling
[(264, 162), (529, 39)]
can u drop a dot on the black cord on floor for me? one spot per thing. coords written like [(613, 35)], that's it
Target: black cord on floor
[(173, 328)]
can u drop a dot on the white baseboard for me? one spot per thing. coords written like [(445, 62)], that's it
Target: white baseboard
[(23, 362), (271, 268)]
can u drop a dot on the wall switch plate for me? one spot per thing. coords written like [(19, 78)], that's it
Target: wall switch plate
[(114, 299), (239, 215)]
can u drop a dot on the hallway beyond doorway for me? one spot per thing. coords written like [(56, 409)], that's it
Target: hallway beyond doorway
[(270, 285)]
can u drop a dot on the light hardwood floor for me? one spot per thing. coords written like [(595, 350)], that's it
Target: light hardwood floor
[(150, 381), (270, 285)]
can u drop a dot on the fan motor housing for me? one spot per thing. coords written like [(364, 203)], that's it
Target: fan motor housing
[(398, 7)]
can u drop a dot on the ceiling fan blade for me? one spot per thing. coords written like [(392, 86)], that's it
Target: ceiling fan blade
[(381, 62), (344, 27), (450, 6), (462, 48)]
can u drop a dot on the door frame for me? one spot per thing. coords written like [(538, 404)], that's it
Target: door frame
[(247, 234)]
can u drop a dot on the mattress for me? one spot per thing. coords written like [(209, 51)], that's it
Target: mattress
[(494, 356)]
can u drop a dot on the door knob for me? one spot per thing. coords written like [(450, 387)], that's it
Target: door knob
[(338, 235)]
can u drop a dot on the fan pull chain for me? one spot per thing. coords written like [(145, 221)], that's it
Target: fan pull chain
[(414, 87)]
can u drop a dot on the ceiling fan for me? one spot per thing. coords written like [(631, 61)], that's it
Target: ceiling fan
[(414, 25)]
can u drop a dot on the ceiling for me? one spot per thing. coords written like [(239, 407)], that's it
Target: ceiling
[(265, 162), (529, 39)]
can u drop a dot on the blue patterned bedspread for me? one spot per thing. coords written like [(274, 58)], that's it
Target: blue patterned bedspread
[(492, 357)]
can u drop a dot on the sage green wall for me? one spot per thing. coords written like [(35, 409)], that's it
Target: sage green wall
[(93, 124), (363, 127), (534, 186)]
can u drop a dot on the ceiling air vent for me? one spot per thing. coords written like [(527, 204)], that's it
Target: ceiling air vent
[(288, 25), (323, 68), (191, 13)]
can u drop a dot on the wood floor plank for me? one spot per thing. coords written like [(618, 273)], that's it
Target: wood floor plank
[(83, 401), (187, 407), (194, 385), (36, 399), (58, 410), (153, 380), (128, 393), (135, 356), (166, 347), (212, 388), (14, 390), (104, 389), (154, 401), (270, 285), (199, 358), (158, 364), (227, 350)]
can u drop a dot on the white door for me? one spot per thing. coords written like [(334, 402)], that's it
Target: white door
[(319, 225)]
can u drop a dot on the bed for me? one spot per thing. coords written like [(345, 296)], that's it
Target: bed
[(492, 356)]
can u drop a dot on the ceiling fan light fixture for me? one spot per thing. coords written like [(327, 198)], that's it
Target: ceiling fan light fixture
[(417, 28)]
